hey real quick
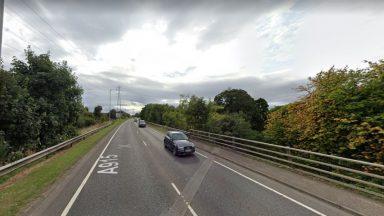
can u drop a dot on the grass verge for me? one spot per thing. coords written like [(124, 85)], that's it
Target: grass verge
[(28, 184), (161, 129)]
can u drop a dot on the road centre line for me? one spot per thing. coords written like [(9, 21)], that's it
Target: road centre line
[(188, 205), (177, 190), (74, 197), (273, 190), (144, 143), (191, 210)]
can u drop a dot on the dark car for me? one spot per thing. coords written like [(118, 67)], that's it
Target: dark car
[(142, 123), (178, 143)]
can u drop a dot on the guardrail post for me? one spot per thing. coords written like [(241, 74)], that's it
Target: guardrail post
[(289, 153), (233, 144), (209, 137)]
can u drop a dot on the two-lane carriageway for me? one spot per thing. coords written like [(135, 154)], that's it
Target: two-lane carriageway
[(135, 175)]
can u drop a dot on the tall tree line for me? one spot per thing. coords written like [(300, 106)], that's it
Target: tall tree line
[(40, 103), (342, 113), (232, 112)]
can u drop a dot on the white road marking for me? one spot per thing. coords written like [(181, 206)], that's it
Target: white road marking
[(74, 197), (144, 143), (191, 210), (200, 154), (177, 190), (188, 205), (273, 190)]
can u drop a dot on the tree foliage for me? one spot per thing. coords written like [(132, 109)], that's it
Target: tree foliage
[(40, 103), (196, 113), (97, 111), (112, 114), (342, 113), (239, 101)]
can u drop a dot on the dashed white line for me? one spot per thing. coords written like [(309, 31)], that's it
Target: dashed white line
[(191, 210), (144, 143), (200, 154), (74, 197), (188, 205), (177, 190), (273, 190)]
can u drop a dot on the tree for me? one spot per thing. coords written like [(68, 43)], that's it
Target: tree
[(18, 120), (154, 112), (196, 112), (53, 88), (236, 125), (238, 100), (175, 119), (40, 104), (342, 113), (235, 101), (97, 111), (112, 113), (260, 115)]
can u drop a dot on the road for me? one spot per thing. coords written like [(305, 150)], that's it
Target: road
[(132, 174)]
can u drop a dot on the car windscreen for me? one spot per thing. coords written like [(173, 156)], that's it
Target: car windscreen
[(179, 136)]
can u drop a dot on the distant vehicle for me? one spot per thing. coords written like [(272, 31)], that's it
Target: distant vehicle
[(135, 120), (178, 143), (142, 123)]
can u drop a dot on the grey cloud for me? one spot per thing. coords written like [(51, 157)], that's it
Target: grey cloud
[(145, 90), (180, 74), (91, 23)]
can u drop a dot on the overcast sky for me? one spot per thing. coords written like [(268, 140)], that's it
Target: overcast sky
[(157, 50)]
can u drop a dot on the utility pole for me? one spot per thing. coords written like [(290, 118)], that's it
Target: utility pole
[(109, 114), (1, 23), (118, 98)]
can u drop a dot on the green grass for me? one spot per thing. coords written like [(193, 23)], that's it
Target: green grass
[(161, 129), (29, 186)]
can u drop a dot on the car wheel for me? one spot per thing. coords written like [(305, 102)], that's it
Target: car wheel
[(165, 145), (174, 151)]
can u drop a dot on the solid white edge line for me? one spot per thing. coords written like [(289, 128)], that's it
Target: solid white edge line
[(144, 143), (273, 190), (191, 210), (200, 154), (74, 197), (174, 187)]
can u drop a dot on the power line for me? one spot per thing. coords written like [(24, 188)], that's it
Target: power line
[(20, 38), (46, 22), (32, 28), (9, 46), (118, 97)]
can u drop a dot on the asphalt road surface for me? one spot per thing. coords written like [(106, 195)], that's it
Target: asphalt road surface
[(131, 173)]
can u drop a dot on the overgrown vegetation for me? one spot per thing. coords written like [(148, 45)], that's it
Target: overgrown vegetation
[(233, 112), (342, 113), (40, 106)]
